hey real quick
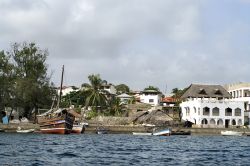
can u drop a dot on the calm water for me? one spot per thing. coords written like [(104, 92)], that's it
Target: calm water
[(121, 149)]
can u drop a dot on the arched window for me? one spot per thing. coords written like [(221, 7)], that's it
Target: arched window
[(233, 122), (216, 111), (195, 110), (228, 112), (240, 122), (212, 122), (206, 111), (220, 122), (204, 121), (237, 112)]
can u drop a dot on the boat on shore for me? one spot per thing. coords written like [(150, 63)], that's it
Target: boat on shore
[(19, 130), (181, 132), (164, 132), (58, 122), (231, 133), (138, 133), (78, 129), (101, 130)]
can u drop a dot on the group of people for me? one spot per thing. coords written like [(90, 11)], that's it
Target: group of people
[(6, 120)]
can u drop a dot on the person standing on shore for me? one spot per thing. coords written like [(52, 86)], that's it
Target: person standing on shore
[(4, 118)]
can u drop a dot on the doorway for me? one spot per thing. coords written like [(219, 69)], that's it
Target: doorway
[(227, 123)]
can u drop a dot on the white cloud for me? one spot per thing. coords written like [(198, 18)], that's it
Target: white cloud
[(138, 42)]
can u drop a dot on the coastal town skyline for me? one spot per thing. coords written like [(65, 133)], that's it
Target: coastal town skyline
[(166, 44)]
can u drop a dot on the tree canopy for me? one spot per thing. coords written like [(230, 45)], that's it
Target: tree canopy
[(152, 88), (26, 71)]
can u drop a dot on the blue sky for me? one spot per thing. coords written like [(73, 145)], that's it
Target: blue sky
[(162, 43)]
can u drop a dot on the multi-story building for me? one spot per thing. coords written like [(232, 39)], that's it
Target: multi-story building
[(211, 106), (152, 97), (241, 92)]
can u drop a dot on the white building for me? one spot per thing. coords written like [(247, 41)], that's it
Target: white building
[(211, 106), (124, 98), (109, 88), (241, 92), (152, 97), (67, 89)]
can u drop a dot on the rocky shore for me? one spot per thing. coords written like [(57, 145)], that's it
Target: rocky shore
[(128, 129)]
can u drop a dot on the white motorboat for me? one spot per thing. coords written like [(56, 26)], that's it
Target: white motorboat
[(231, 133), (135, 133), (19, 130), (165, 132)]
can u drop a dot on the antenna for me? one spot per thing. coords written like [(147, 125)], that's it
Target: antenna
[(166, 88)]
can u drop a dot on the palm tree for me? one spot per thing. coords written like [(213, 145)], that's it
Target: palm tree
[(95, 95), (116, 107)]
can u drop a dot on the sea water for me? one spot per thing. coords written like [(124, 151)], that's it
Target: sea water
[(122, 149)]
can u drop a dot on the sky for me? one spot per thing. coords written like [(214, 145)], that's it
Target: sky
[(163, 43)]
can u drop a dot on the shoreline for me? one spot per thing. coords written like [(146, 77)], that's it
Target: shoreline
[(127, 129)]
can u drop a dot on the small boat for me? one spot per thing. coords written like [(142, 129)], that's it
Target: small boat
[(61, 122), (231, 133), (165, 132), (78, 129), (19, 130), (101, 130), (181, 132), (135, 133)]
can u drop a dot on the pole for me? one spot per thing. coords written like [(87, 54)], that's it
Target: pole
[(60, 93)]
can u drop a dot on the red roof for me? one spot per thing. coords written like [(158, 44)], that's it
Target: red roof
[(168, 100)]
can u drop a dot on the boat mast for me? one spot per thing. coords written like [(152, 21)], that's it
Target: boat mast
[(60, 93)]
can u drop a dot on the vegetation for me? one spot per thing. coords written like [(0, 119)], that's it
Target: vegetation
[(122, 88), (152, 88), (96, 97), (24, 78)]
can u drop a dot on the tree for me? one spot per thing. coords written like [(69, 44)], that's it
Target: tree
[(122, 88), (115, 107), (177, 93), (95, 95), (32, 84), (7, 77), (152, 88)]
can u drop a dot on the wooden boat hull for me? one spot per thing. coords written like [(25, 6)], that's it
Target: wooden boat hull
[(55, 131), (58, 125)]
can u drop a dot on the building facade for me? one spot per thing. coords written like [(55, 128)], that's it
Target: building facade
[(210, 106), (241, 92), (152, 97)]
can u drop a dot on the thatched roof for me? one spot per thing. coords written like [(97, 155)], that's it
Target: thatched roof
[(206, 91)]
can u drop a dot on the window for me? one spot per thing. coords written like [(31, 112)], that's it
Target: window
[(215, 111), (228, 112), (194, 110), (202, 92), (237, 112), (206, 111), (151, 100), (217, 92), (204, 121)]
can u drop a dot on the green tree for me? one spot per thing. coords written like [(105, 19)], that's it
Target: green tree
[(177, 93), (32, 84), (7, 77), (115, 107), (96, 97), (122, 88), (152, 88)]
